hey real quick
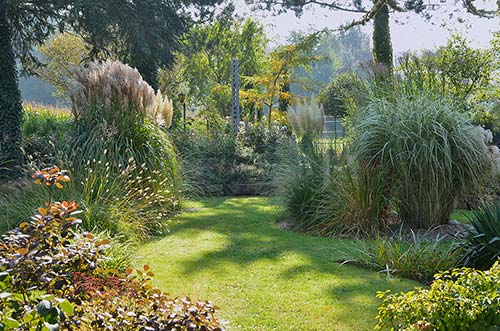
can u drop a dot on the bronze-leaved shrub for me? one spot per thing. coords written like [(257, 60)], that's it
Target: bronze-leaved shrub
[(51, 278)]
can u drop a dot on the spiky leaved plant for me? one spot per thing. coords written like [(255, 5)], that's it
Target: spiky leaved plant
[(431, 150)]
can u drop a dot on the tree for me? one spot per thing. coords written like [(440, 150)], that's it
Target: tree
[(143, 33), (61, 55), (272, 85), (455, 68), (205, 60), (347, 51), (377, 11)]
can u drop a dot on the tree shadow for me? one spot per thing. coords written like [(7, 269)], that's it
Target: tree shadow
[(251, 235)]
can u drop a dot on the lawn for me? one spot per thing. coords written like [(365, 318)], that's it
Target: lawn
[(461, 215), (230, 251)]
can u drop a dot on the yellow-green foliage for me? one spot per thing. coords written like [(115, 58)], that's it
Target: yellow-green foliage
[(462, 299)]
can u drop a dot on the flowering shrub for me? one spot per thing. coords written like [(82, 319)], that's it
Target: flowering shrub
[(462, 299), (51, 278)]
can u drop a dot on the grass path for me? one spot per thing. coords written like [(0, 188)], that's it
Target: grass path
[(230, 252)]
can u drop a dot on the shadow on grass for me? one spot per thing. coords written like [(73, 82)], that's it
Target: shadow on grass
[(248, 226)]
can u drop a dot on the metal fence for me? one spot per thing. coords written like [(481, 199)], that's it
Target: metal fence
[(333, 133)]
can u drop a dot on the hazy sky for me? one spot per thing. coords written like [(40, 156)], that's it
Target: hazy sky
[(415, 34)]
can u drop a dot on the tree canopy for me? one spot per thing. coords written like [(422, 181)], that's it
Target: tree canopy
[(143, 33)]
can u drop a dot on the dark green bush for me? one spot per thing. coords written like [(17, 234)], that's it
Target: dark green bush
[(461, 299), (345, 92), (482, 246), (217, 163)]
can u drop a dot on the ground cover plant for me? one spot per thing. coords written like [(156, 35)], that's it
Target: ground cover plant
[(51, 278), (263, 278)]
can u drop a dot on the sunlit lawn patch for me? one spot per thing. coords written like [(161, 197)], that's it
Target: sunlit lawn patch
[(264, 278)]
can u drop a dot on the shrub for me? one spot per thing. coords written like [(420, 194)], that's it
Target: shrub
[(218, 163), (462, 299), (432, 152), (51, 278), (482, 246), (345, 92), (414, 256)]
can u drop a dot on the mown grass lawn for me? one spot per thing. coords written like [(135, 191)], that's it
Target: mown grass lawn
[(230, 251)]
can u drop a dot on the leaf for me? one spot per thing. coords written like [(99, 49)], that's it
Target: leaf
[(11, 323), (22, 251), (51, 327), (44, 307), (67, 307)]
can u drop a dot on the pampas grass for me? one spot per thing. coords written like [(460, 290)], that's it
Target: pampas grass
[(307, 118), (117, 116)]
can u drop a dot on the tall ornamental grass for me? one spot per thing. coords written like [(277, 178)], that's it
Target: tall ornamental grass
[(119, 119), (431, 150)]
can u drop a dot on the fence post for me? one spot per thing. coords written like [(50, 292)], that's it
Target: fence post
[(235, 97)]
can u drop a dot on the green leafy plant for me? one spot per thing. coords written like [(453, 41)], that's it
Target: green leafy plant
[(410, 255), (52, 278), (38, 258), (461, 299), (431, 151), (482, 246)]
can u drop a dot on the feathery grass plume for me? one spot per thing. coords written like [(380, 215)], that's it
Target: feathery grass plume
[(116, 89), (432, 152), (164, 110), (117, 115), (307, 118)]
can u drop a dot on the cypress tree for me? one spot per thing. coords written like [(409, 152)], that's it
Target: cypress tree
[(382, 45)]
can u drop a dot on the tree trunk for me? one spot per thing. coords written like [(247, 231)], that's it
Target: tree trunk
[(382, 45), (11, 157)]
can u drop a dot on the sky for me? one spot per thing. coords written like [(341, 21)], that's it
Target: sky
[(415, 34)]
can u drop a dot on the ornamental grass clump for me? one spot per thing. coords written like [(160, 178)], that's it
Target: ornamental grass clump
[(307, 119), (119, 94), (119, 118), (432, 152)]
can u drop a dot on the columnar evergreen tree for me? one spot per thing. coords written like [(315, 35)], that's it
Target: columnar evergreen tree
[(382, 45), (143, 33)]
